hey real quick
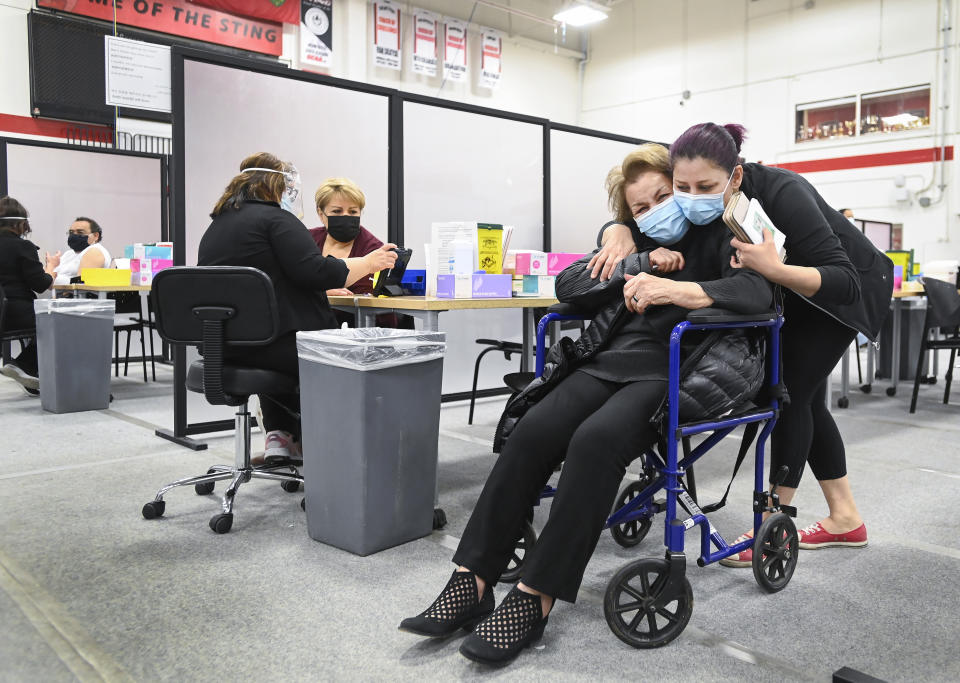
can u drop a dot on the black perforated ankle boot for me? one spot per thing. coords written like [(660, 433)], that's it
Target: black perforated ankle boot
[(458, 606), (517, 623)]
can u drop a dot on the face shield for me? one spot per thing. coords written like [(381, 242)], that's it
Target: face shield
[(292, 199)]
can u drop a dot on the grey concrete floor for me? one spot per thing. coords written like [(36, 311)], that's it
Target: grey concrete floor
[(90, 590)]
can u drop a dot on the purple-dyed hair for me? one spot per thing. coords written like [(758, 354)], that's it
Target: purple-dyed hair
[(720, 145)]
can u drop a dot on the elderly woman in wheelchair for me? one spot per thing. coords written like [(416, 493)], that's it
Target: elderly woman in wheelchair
[(590, 410)]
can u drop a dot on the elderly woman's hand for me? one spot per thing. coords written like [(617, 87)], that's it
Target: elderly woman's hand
[(339, 291), (644, 290), (663, 260), (617, 245), (762, 258)]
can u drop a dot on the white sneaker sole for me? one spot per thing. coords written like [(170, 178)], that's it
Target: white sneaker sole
[(18, 375), (832, 544)]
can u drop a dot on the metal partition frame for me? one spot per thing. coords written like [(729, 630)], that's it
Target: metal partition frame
[(395, 210)]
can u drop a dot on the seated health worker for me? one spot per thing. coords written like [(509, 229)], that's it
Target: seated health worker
[(250, 228), (340, 203), (85, 250), (22, 277), (596, 421)]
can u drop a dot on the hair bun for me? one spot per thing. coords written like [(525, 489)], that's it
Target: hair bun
[(737, 132)]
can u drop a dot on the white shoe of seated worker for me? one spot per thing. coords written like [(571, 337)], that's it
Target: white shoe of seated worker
[(18, 374), (280, 446)]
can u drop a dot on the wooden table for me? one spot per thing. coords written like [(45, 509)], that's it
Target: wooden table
[(428, 309), (100, 290)]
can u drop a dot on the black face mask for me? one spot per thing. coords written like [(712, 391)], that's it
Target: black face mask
[(343, 228), (77, 242)]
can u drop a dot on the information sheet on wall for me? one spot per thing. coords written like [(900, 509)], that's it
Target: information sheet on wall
[(386, 34), (425, 29), (454, 49), (316, 33), (137, 74), (491, 52)]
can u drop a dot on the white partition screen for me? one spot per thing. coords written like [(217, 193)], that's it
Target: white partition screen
[(230, 113), (122, 193), (578, 201), (463, 166)]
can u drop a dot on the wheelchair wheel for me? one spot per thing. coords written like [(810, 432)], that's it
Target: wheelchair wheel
[(515, 565), (775, 552), (631, 533), (639, 609)]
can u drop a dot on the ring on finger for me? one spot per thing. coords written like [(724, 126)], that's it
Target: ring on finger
[(635, 299)]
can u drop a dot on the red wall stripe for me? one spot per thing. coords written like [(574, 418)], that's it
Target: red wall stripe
[(912, 156), (51, 128)]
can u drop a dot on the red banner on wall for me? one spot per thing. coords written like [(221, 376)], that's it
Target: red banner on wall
[(285, 11), (180, 18)]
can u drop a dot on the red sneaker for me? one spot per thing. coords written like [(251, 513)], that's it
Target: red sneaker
[(742, 559), (815, 536)]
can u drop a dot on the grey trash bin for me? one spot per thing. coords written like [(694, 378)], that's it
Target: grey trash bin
[(68, 330), (370, 406)]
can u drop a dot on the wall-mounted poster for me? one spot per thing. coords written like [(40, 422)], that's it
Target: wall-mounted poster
[(316, 33), (386, 34), (491, 54), (454, 49), (426, 26)]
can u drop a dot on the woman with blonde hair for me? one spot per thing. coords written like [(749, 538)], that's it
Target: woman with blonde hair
[(595, 419), (250, 228)]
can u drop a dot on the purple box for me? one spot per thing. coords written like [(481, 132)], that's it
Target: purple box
[(492, 286)]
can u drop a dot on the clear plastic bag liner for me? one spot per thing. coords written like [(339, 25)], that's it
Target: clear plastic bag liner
[(370, 348), (93, 308)]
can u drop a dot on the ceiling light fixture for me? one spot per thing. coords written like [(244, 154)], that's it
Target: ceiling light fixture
[(581, 14)]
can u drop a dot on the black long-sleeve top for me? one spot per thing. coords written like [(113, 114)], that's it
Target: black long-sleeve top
[(856, 278), (262, 235), (639, 349), (21, 272)]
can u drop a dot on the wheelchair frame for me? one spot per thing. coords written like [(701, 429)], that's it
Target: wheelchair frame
[(776, 536)]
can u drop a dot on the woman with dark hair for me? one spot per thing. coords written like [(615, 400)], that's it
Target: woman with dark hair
[(834, 282), (22, 278), (595, 420), (250, 228)]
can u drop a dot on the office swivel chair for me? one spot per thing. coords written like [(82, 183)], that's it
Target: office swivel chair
[(6, 336), (217, 307), (943, 311)]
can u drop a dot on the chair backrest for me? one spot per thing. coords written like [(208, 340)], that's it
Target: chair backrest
[(216, 307), (127, 302), (943, 303)]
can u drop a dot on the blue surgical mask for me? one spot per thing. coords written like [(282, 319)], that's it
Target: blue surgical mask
[(665, 223), (701, 209)]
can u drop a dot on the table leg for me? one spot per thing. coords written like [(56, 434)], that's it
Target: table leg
[(895, 348), (179, 433), (527, 341), (844, 400), (871, 360)]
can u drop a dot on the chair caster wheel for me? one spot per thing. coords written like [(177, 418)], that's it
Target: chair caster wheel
[(891, 391), (303, 504), (775, 552), (204, 489), (866, 388), (843, 402), (290, 486), (439, 518), (515, 566), (221, 523), (641, 610), (630, 533), (154, 509)]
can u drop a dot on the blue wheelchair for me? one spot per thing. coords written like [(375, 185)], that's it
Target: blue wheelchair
[(648, 602)]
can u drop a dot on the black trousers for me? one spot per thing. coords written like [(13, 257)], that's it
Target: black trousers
[(19, 315), (596, 428), (812, 345), (280, 411)]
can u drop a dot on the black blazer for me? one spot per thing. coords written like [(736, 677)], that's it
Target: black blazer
[(21, 272), (262, 235), (856, 277)]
